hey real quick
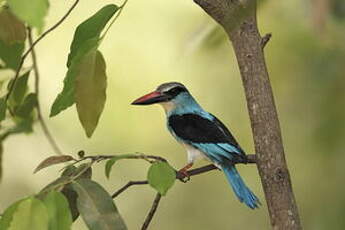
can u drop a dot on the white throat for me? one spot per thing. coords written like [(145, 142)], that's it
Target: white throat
[(168, 106)]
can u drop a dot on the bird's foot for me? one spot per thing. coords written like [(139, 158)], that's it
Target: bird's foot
[(185, 177)]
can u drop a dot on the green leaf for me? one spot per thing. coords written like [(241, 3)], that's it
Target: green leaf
[(19, 90), (66, 98), (58, 211), (109, 165), (69, 174), (53, 161), (23, 126), (87, 174), (30, 214), (85, 42), (71, 171), (68, 171), (26, 108), (32, 12), (97, 207), (7, 217), (161, 176), (11, 54), (12, 37), (90, 91), (90, 29), (56, 185), (12, 30), (71, 197), (3, 108), (69, 192)]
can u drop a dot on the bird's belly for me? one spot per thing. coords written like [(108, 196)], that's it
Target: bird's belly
[(193, 153)]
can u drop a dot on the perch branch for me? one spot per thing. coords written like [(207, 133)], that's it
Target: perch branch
[(37, 91), (251, 159), (179, 176)]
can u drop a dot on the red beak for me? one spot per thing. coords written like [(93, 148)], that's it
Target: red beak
[(151, 98)]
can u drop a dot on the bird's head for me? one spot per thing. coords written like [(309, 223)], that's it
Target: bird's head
[(169, 95)]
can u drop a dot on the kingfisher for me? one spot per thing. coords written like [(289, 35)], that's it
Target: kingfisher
[(202, 134)]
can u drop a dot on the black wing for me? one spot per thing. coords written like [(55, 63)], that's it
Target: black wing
[(197, 129), (232, 139)]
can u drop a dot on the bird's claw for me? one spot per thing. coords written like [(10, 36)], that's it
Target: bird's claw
[(185, 177)]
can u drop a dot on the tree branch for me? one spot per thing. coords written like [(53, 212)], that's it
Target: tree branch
[(238, 19), (22, 60), (179, 176), (37, 91), (152, 211), (251, 159), (129, 184), (149, 158), (265, 39)]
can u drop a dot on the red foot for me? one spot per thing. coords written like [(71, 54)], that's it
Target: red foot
[(184, 172)]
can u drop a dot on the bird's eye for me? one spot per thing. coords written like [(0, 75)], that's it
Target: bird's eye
[(174, 90)]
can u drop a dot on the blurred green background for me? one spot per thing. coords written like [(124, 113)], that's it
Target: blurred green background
[(158, 41)]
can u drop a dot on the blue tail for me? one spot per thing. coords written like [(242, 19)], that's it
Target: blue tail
[(242, 192)]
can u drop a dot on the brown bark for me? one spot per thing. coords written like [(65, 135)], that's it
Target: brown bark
[(238, 18)]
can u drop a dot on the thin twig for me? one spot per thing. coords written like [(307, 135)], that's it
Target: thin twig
[(265, 39), (52, 28), (34, 44), (152, 212), (129, 184), (37, 91), (99, 158)]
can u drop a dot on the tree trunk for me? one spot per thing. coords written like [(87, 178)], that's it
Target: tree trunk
[(238, 18)]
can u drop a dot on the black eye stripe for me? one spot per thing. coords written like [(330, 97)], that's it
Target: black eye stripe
[(175, 91)]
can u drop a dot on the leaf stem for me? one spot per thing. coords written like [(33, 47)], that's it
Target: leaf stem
[(115, 18)]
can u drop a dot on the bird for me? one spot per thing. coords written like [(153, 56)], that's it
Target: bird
[(202, 134)]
